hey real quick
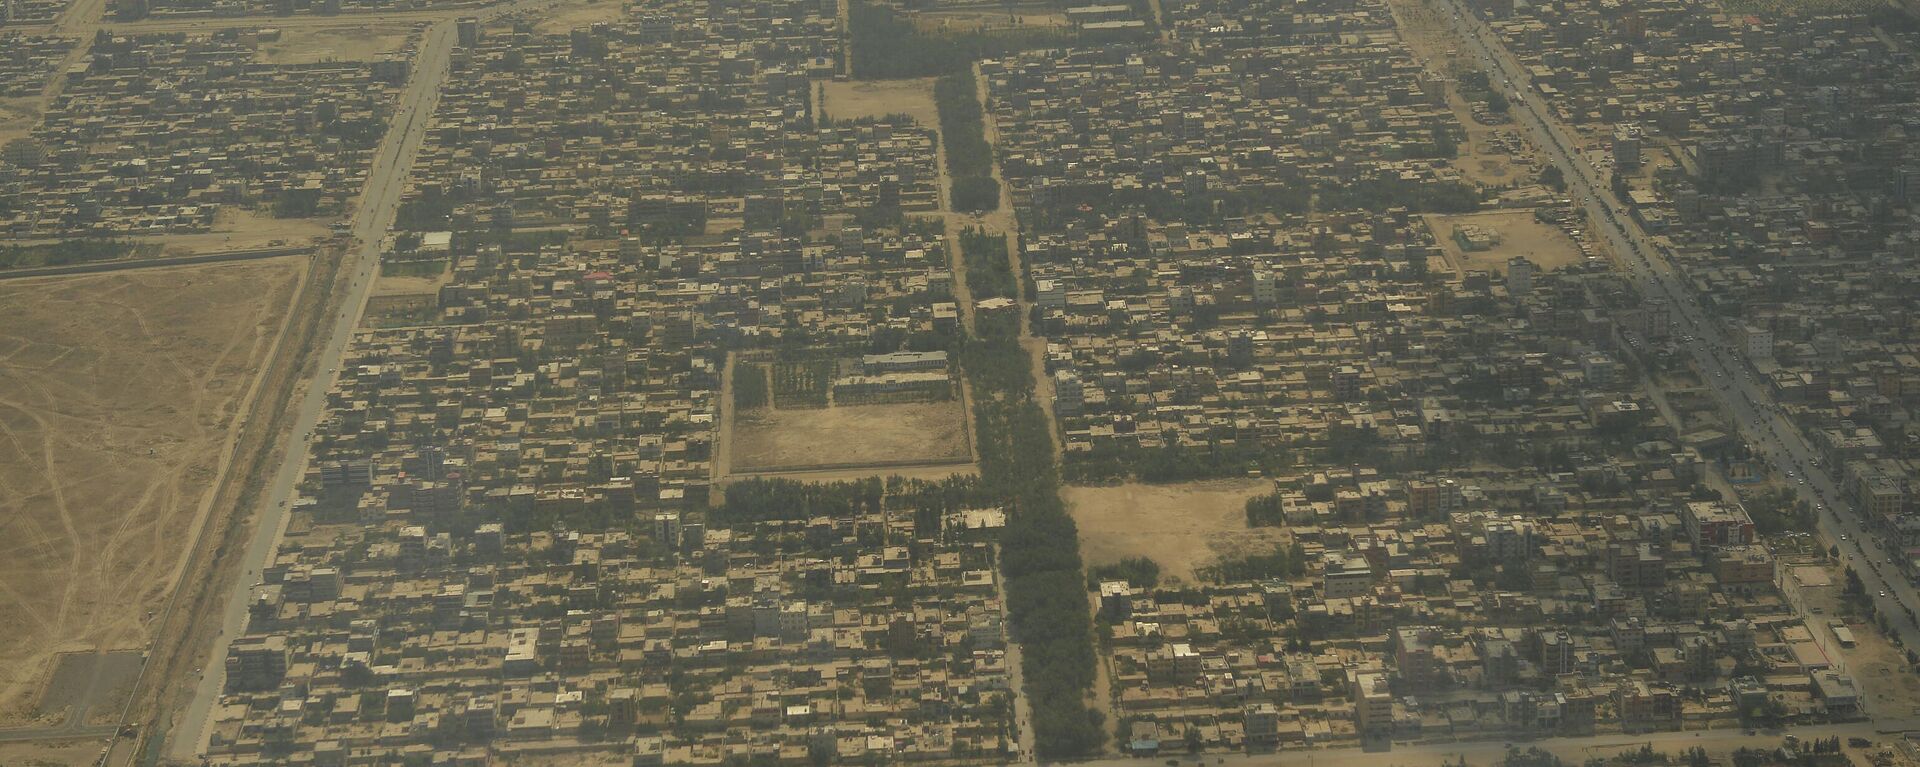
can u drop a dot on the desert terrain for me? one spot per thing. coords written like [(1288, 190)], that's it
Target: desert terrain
[(118, 395)]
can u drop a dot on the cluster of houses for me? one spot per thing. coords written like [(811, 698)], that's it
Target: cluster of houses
[(27, 60), (1773, 159), (504, 545), (156, 134)]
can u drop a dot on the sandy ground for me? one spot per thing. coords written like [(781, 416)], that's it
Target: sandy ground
[(311, 46), (17, 117), (411, 286), (569, 760), (116, 394), (569, 17), (1879, 667), (854, 99), (1543, 244), (63, 753), (959, 20), (849, 434), (1488, 155), (1182, 527), (236, 228)]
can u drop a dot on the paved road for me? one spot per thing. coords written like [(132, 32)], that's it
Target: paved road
[(74, 726), (1717, 355), (379, 204), (1573, 750), (204, 25), (154, 263)]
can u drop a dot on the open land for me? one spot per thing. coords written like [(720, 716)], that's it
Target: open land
[(1519, 234), (311, 46), (852, 100), (575, 15), (117, 396), (849, 435), (954, 20), (236, 228), (1890, 687), (1182, 527), (50, 753)]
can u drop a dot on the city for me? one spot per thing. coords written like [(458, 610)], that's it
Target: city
[(692, 382)]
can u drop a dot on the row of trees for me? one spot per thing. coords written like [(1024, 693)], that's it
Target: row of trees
[(63, 253), (1264, 511), (887, 46), (1290, 562), (1040, 547), (969, 156), (1138, 572), (750, 387), (1175, 463), (756, 500), (989, 272), (1040, 560)]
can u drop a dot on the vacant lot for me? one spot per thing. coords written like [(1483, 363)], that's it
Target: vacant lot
[(50, 753), (1183, 527), (17, 118), (768, 439), (570, 16), (1543, 244), (313, 46), (1024, 16), (235, 228), (117, 400), (852, 100)]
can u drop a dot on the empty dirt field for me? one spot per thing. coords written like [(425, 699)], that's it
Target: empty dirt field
[(1519, 235), (50, 753), (1183, 527), (236, 228), (313, 46), (854, 99), (766, 440), (118, 395), (571, 16), (1023, 16)]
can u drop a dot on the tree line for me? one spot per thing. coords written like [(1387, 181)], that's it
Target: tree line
[(63, 253), (969, 156), (1040, 546), (989, 272), (759, 500), (887, 46)]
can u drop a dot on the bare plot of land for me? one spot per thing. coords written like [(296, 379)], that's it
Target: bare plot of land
[(1183, 527), (313, 46), (849, 435), (17, 118), (571, 16), (1492, 154), (854, 99), (970, 20), (1518, 234), (235, 228), (118, 394), (412, 278), (51, 753), (90, 686)]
